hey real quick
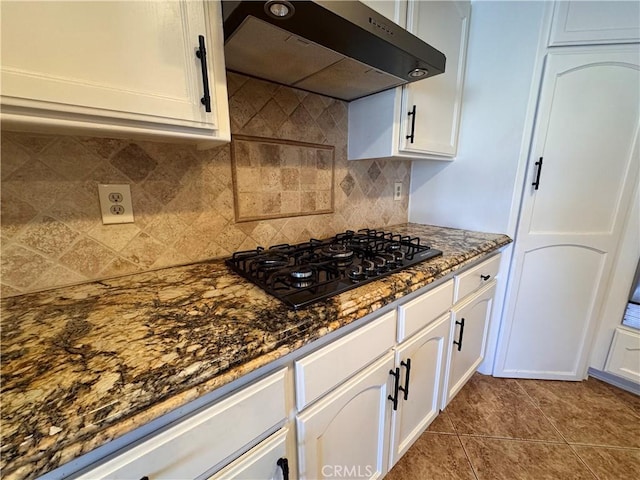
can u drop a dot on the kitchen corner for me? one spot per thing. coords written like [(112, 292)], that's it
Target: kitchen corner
[(249, 239), (85, 364)]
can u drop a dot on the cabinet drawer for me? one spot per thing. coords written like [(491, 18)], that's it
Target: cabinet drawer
[(197, 444), (320, 371), (624, 355), (421, 311), (476, 277), (261, 462)]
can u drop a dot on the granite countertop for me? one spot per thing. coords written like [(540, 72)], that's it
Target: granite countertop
[(85, 364)]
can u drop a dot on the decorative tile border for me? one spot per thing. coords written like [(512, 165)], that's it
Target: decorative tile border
[(275, 178)]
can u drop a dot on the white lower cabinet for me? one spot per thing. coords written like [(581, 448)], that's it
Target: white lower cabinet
[(470, 321), (422, 362), (361, 400), (346, 434), (196, 445), (624, 355), (266, 461), (324, 369)]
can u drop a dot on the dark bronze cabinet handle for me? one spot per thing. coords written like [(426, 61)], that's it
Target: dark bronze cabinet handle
[(485, 277), (407, 376), (396, 387), (283, 463), (412, 114), (145, 478), (201, 53), (459, 342), (536, 184)]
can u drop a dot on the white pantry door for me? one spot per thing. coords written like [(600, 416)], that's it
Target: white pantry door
[(586, 134)]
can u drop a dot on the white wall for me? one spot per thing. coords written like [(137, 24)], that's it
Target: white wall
[(477, 191)]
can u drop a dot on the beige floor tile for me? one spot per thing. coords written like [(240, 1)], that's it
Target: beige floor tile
[(629, 399), (586, 412), (611, 463), (442, 424), (494, 459), (433, 457), (498, 407)]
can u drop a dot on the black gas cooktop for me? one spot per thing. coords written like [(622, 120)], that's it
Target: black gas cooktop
[(308, 272)]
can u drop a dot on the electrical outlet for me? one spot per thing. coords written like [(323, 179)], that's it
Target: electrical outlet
[(115, 204), (397, 191)]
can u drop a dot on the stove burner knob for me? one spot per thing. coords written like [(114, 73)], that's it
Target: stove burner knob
[(380, 262), (369, 267), (389, 259), (356, 273), (399, 255)]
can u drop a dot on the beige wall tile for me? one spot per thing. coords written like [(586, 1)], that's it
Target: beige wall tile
[(115, 237), (183, 198), (20, 267), (143, 250), (87, 257), (14, 156), (69, 158), (48, 235)]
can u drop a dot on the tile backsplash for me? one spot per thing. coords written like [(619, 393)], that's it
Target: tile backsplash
[(183, 198)]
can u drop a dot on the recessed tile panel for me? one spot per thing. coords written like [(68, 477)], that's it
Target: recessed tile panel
[(281, 178)]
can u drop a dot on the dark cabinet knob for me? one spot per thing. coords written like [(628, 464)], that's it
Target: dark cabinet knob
[(412, 114), (201, 53), (283, 463), (459, 342), (407, 377), (396, 387), (485, 277)]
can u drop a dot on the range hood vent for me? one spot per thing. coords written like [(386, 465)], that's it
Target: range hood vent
[(342, 49)]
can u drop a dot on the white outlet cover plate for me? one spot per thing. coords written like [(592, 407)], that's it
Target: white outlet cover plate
[(397, 190), (105, 204)]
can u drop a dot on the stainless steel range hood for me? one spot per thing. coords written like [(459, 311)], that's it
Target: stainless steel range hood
[(342, 49)]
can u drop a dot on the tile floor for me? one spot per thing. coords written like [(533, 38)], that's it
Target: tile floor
[(507, 429)]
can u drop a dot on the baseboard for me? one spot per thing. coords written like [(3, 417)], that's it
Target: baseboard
[(614, 380)]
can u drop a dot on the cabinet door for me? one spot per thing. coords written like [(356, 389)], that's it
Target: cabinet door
[(469, 325), (586, 136), (345, 435), (584, 23), (266, 461), (437, 100), (116, 63), (422, 360)]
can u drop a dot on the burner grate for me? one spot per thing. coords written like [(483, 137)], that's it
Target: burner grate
[(308, 272)]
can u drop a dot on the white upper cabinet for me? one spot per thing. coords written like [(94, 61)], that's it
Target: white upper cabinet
[(421, 119), (437, 100), (394, 10), (125, 69), (584, 23)]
